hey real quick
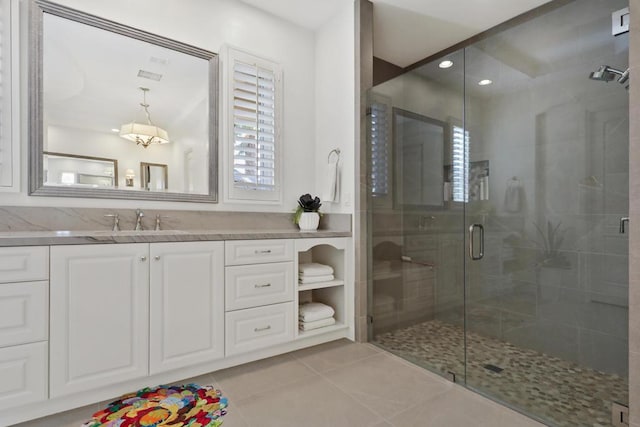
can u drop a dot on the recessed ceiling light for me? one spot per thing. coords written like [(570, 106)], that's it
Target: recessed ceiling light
[(446, 64), (115, 130), (485, 82)]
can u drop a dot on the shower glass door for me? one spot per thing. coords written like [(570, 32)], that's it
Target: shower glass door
[(546, 281), (499, 178), (416, 229)]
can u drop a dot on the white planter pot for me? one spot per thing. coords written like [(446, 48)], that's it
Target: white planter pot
[(309, 221)]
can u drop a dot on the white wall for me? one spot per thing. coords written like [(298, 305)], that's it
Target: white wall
[(335, 104), (209, 24)]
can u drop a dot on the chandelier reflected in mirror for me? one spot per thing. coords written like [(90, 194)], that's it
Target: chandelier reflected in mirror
[(141, 133)]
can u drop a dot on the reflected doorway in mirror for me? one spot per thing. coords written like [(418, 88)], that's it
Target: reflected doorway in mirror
[(154, 176)]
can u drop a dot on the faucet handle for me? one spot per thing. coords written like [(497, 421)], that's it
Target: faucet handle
[(139, 216), (158, 218), (116, 221)]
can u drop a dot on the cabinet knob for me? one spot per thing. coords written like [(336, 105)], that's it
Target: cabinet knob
[(157, 257), (143, 258), (266, 328)]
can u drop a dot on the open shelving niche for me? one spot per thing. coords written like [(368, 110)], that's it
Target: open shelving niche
[(337, 293)]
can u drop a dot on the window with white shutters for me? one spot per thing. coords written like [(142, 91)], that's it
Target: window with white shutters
[(254, 94), (9, 152), (460, 163), (379, 131)]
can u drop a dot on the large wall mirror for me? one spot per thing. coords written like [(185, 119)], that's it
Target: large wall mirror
[(102, 90), (418, 160)]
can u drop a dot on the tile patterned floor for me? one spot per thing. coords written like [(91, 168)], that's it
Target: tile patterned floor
[(554, 389), (338, 384)]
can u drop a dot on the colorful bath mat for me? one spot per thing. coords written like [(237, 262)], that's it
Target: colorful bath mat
[(168, 406)]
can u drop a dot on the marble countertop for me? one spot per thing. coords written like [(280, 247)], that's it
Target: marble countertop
[(44, 238)]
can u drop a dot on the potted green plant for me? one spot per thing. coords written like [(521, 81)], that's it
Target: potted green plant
[(307, 214), (551, 242)]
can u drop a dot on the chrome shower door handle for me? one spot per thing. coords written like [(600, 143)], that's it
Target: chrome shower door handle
[(622, 221), (480, 255)]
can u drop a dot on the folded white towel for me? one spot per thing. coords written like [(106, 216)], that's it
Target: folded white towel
[(313, 311), (314, 269), (315, 279), (307, 326)]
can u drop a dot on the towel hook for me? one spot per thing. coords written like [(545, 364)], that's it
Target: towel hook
[(336, 151)]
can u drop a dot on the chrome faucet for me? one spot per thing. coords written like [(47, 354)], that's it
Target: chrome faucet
[(139, 216), (425, 221), (116, 221), (158, 220)]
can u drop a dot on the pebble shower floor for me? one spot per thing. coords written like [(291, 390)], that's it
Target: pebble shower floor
[(553, 389)]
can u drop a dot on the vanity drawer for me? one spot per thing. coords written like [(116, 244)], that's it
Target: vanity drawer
[(260, 284), (255, 328), (24, 312), (23, 369), (257, 251), (24, 264)]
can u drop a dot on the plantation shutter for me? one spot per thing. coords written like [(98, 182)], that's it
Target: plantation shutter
[(379, 130), (254, 112), (6, 152)]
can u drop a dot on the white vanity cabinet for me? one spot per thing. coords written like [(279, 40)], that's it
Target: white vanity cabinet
[(335, 293), (125, 311), (24, 304), (99, 316), (187, 304), (259, 282), (81, 324)]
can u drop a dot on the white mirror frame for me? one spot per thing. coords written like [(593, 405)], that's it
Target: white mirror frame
[(36, 127)]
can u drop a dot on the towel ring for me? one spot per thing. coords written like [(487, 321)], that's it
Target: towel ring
[(337, 153)]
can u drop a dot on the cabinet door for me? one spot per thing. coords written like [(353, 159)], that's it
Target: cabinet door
[(23, 375), (187, 304), (24, 263), (241, 252), (255, 285), (260, 327), (99, 316), (24, 312)]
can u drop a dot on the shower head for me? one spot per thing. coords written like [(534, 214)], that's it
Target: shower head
[(606, 74), (602, 74)]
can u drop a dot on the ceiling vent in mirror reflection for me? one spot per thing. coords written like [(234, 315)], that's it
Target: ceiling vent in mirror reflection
[(144, 134), (149, 75), (160, 61)]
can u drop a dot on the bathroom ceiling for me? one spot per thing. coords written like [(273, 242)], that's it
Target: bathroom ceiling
[(406, 31), (566, 46)]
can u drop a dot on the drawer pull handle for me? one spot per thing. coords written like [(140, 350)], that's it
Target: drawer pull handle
[(262, 286), (264, 251), (266, 328)]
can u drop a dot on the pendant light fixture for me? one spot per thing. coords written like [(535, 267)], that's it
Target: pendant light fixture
[(141, 133)]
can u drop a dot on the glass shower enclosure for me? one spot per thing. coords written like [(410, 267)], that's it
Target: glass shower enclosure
[(499, 185)]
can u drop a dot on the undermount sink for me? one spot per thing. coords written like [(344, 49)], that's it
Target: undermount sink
[(137, 232)]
